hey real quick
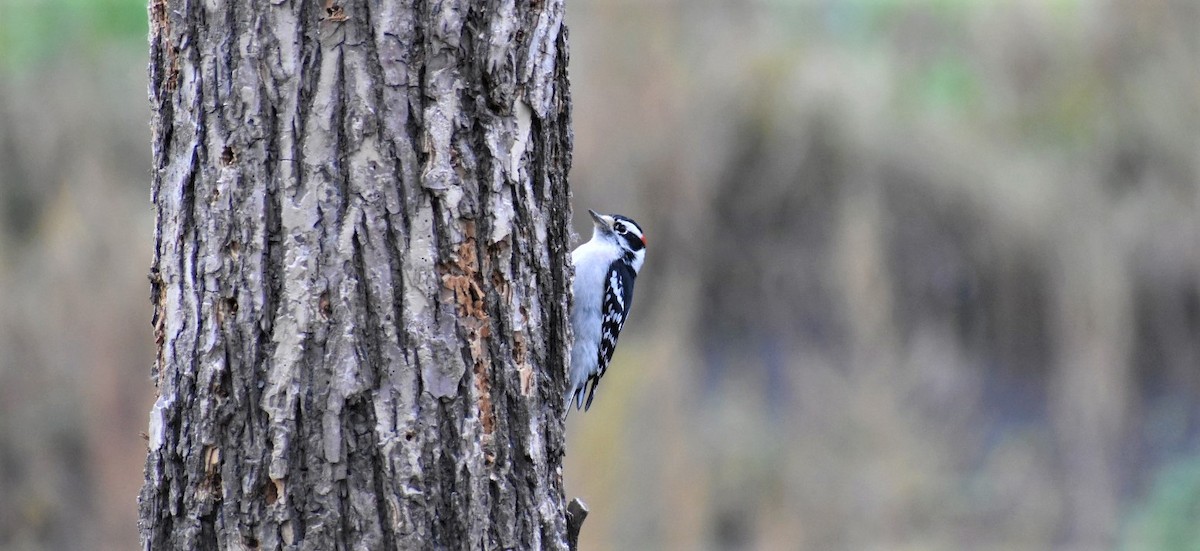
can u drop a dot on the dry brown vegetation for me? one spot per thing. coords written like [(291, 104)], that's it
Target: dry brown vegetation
[(922, 276)]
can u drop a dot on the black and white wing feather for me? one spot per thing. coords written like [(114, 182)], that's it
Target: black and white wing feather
[(618, 298)]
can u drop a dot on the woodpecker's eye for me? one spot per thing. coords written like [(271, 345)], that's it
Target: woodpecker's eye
[(619, 227)]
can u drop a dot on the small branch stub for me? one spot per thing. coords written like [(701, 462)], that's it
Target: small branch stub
[(576, 511)]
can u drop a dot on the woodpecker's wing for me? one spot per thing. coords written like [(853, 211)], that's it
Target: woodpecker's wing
[(618, 298)]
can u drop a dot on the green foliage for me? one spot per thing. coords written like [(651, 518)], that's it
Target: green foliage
[(948, 83), (32, 32), (1166, 519)]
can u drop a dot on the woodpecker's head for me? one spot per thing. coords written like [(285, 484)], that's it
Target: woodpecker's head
[(622, 232)]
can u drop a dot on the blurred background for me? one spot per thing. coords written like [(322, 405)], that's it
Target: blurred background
[(923, 275)]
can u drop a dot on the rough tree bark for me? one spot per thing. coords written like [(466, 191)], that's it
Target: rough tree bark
[(360, 276)]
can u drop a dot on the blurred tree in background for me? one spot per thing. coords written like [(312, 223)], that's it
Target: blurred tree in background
[(923, 275)]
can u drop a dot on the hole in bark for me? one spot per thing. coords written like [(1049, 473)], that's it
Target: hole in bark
[(326, 309), (271, 492), (335, 12), (221, 384)]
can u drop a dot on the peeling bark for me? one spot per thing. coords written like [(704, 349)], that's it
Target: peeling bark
[(360, 277)]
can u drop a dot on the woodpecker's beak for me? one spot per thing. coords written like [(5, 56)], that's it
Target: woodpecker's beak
[(602, 221)]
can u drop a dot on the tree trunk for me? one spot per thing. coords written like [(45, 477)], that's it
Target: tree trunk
[(360, 279)]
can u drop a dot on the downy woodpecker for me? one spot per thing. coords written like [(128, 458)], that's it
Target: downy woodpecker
[(605, 269)]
